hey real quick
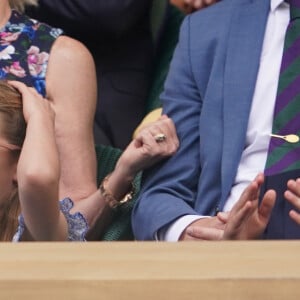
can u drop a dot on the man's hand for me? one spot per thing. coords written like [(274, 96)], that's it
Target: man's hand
[(292, 195), (248, 219), (209, 229)]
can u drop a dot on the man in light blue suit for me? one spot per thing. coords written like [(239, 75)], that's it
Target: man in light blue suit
[(220, 92)]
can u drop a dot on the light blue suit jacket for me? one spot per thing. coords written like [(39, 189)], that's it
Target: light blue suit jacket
[(208, 94)]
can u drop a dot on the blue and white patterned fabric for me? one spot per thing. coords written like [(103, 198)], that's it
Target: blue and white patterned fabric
[(77, 224), (25, 47)]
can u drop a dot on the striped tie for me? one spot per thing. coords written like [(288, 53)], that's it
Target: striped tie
[(284, 148)]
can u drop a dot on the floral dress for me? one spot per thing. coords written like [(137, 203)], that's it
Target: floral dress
[(25, 46), (77, 224)]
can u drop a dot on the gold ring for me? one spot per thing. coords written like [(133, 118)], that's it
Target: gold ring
[(160, 137)]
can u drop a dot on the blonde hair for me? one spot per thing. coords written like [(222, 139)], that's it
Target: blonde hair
[(19, 5), (13, 129)]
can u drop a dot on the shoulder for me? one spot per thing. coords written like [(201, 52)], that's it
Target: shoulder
[(69, 56), (70, 64), (69, 48)]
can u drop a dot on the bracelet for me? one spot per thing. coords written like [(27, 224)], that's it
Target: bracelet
[(110, 198)]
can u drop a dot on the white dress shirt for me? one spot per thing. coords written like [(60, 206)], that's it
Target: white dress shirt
[(254, 155)]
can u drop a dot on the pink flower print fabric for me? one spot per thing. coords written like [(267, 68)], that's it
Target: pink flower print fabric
[(25, 46)]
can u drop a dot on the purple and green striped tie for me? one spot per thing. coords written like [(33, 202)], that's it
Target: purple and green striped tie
[(284, 148)]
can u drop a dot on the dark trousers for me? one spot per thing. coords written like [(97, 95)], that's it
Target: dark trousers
[(281, 226)]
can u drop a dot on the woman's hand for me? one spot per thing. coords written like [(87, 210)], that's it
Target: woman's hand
[(34, 105), (154, 142)]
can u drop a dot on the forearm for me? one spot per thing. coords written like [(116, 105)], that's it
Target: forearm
[(39, 155), (96, 209), (38, 177)]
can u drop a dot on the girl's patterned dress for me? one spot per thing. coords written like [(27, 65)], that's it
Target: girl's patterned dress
[(77, 225)]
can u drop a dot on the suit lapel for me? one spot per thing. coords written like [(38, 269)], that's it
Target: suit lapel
[(241, 67)]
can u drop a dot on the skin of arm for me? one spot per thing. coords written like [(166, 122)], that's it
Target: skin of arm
[(71, 89), (38, 171)]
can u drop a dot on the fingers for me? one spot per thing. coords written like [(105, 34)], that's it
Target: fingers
[(251, 193), (28, 93), (163, 126), (203, 233), (223, 216), (266, 206), (204, 229), (22, 88), (292, 195), (144, 151), (18, 85), (33, 103), (166, 126), (233, 229), (295, 216), (146, 139)]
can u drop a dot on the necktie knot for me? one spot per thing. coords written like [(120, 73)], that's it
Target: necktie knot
[(294, 8)]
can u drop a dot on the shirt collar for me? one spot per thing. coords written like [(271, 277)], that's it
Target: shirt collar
[(275, 4)]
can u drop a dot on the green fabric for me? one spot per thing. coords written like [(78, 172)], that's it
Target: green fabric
[(120, 228), (157, 16), (107, 157), (168, 42)]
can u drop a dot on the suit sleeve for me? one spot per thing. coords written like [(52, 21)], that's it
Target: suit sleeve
[(102, 16), (169, 190)]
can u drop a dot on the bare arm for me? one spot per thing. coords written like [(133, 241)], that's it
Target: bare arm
[(141, 153), (71, 88), (38, 170)]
